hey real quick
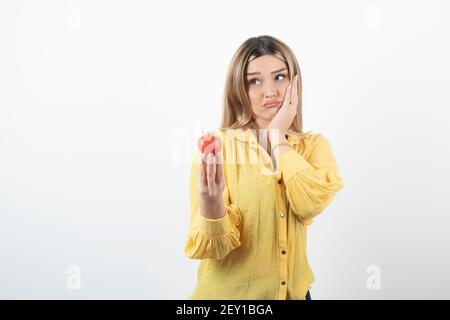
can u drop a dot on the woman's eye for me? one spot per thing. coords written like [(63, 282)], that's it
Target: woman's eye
[(252, 81)]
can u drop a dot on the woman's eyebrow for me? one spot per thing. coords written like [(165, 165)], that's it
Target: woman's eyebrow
[(252, 73)]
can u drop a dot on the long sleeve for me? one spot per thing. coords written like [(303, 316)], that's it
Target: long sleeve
[(312, 184), (211, 238)]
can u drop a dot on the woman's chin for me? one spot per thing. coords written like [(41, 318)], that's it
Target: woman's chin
[(273, 110)]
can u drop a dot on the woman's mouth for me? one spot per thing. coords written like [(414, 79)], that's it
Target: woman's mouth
[(272, 105)]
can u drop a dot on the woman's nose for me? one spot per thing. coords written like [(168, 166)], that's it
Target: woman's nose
[(269, 92)]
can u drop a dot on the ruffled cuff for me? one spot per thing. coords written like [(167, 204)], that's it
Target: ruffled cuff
[(215, 238)]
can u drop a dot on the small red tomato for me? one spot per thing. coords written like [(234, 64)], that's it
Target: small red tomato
[(209, 143)]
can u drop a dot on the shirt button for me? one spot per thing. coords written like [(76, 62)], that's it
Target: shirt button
[(283, 251), (279, 181), (283, 283), (282, 214)]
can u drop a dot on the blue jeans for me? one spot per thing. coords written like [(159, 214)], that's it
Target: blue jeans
[(308, 296)]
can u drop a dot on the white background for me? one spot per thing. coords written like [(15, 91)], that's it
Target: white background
[(101, 104)]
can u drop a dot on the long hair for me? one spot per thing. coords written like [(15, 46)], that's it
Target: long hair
[(237, 111)]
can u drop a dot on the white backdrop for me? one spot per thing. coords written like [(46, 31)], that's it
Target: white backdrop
[(101, 104)]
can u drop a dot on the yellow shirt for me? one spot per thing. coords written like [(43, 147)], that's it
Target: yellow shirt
[(258, 249)]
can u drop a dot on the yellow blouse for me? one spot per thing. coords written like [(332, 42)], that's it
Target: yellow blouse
[(258, 249)]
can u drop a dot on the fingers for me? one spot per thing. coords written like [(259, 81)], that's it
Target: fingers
[(203, 171), (293, 88), (287, 95), (210, 174), (294, 92), (291, 95), (219, 165)]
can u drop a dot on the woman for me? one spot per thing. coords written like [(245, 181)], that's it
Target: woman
[(251, 203)]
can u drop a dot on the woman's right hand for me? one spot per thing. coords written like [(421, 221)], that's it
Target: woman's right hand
[(211, 185)]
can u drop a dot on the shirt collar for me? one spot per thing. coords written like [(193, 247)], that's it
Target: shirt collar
[(249, 135)]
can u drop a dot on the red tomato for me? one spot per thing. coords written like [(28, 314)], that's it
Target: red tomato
[(209, 143)]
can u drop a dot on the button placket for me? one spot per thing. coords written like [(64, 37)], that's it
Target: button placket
[(282, 244)]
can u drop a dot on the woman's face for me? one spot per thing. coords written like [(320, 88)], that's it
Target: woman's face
[(267, 79)]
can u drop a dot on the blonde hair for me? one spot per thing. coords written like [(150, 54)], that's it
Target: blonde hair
[(237, 112)]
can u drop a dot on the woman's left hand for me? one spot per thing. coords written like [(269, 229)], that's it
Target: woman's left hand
[(281, 122)]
